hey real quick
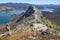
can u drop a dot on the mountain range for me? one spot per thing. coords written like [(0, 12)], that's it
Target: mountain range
[(23, 6)]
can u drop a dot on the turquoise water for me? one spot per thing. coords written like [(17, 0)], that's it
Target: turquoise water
[(6, 16), (47, 9)]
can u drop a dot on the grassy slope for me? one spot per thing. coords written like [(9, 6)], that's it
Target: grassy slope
[(50, 23)]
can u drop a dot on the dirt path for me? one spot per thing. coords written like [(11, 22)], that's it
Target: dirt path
[(18, 35)]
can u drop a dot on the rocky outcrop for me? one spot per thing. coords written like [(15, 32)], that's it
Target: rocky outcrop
[(31, 11), (31, 15)]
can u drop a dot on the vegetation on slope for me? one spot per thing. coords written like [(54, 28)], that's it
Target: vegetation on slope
[(50, 23)]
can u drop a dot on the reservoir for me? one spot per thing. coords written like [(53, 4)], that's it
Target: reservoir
[(6, 16)]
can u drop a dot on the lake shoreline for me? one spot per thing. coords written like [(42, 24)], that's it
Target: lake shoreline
[(6, 16)]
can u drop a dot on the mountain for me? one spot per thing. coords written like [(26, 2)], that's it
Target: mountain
[(28, 26), (50, 6), (23, 6), (31, 15), (19, 6)]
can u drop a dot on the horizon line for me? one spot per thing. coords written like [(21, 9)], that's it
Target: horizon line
[(33, 3)]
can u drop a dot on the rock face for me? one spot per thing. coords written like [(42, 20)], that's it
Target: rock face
[(37, 13), (28, 13), (31, 11)]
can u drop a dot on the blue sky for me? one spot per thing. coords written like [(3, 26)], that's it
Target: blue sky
[(32, 1)]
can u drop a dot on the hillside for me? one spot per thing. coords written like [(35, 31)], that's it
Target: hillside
[(16, 6), (24, 6), (24, 18), (29, 26), (53, 16)]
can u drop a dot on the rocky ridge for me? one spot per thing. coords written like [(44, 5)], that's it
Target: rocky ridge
[(29, 26)]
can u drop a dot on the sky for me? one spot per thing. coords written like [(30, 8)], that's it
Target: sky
[(32, 1)]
